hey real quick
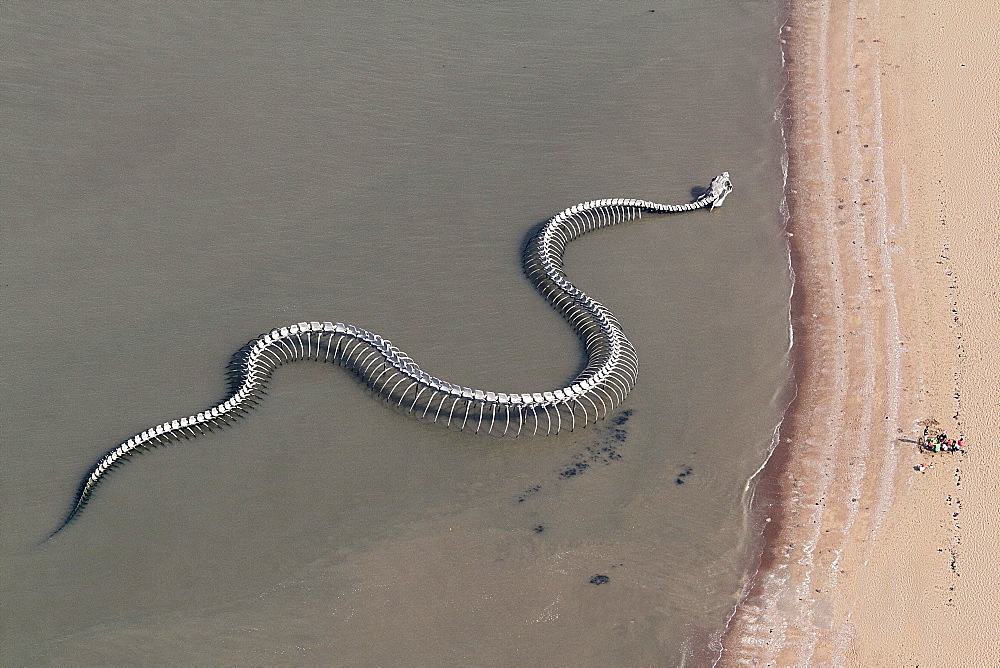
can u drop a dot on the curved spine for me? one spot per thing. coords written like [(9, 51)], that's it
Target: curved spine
[(611, 370)]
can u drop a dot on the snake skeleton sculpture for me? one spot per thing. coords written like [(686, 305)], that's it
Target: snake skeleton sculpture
[(391, 374)]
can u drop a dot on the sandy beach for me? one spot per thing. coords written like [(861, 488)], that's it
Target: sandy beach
[(892, 127)]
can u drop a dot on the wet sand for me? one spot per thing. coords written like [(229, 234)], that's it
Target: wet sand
[(892, 132)]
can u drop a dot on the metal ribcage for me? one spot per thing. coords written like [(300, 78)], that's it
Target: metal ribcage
[(610, 373)]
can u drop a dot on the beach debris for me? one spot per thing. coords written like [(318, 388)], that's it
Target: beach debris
[(600, 579)]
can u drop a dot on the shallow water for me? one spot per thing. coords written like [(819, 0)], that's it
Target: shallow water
[(179, 178)]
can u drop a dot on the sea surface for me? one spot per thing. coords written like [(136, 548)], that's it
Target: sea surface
[(177, 178)]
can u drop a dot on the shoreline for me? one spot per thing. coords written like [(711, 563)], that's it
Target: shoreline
[(893, 230)]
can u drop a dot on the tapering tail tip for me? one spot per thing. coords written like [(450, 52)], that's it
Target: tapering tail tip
[(70, 516), (62, 525)]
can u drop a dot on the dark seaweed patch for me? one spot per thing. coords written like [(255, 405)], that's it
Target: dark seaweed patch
[(529, 492), (683, 474), (602, 451), (575, 468), (600, 579), (622, 417)]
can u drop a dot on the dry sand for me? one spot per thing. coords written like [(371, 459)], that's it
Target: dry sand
[(893, 193)]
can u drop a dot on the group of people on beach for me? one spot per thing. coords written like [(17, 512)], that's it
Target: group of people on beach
[(935, 440)]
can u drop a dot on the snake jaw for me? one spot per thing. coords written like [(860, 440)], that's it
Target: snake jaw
[(719, 189)]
